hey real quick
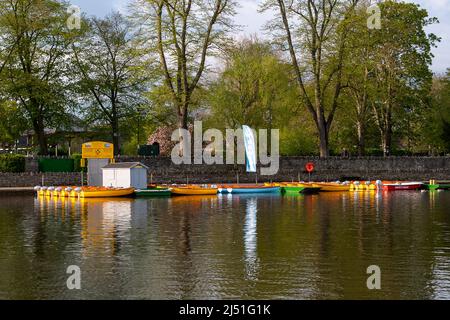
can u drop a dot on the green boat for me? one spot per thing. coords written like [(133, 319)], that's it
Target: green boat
[(432, 187), (299, 190), (153, 193)]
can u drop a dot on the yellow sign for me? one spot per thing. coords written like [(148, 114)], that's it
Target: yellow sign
[(98, 150)]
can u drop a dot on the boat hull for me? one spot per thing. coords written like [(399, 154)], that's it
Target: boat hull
[(402, 186), (107, 193), (193, 191), (300, 190), (331, 187), (292, 190), (432, 187), (153, 193), (240, 190)]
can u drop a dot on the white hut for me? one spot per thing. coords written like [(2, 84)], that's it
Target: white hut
[(125, 175)]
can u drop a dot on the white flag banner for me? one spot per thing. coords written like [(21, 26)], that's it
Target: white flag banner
[(250, 148)]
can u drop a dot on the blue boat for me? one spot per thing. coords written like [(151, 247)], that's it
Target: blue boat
[(249, 190)]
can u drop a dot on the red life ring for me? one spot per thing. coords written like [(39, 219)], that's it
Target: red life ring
[(310, 167)]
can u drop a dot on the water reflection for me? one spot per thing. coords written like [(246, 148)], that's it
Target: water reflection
[(228, 246), (104, 225), (250, 239)]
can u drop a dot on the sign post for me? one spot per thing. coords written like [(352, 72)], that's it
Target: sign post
[(98, 154), (98, 150), (310, 169)]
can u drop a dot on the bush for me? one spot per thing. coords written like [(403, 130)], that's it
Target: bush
[(77, 162), (12, 163)]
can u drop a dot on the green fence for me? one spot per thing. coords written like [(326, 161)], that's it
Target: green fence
[(56, 165), (149, 150)]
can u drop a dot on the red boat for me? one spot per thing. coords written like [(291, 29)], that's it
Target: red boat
[(402, 186)]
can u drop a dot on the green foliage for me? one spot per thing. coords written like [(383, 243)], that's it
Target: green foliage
[(111, 72), (435, 121), (76, 157), (296, 141), (255, 89), (12, 122), (389, 82), (33, 61), (445, 136), (12, 163)]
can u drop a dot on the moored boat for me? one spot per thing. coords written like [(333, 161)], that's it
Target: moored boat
[(153, 192), (300, 190), (241, 190), (83, 192), (432, 187), (193, 190), (332, 187), (105, 192), (292, 189), (402, 186)]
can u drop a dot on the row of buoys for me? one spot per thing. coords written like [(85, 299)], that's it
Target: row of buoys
[(62, 192)]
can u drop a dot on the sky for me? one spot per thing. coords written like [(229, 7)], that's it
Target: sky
[(252, 21)]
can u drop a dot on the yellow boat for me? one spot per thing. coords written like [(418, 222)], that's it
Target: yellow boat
[(84, 192), (332, 187), (193, 191), (106, 192)]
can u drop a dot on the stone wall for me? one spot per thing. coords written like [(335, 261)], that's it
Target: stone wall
[(293, 169), (162, 170), (31, 179)]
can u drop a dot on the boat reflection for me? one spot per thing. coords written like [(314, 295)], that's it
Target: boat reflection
[(104, 221)]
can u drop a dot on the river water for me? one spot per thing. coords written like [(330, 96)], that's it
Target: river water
[(228, 247)]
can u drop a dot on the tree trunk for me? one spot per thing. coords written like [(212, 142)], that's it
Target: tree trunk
[(115, 136), (39, 129), (387, 136), (361, 138), (183, 123), (387, 141), (182, 115), (323, 137)]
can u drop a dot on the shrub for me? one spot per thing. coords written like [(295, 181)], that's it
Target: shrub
[(12, 163), (77, 162)]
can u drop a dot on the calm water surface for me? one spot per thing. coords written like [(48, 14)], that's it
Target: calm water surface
[(240, 247)]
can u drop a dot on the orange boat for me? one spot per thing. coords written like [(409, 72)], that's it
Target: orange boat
[(193, 190)]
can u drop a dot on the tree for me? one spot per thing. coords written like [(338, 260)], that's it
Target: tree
[(402, 57), (12, 122), (111, 72), (435, 121), (34, 41), (358, 74), (315, 33), (184, 33), (254, 89)]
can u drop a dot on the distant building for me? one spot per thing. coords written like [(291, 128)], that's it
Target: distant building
[(65, 140)]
